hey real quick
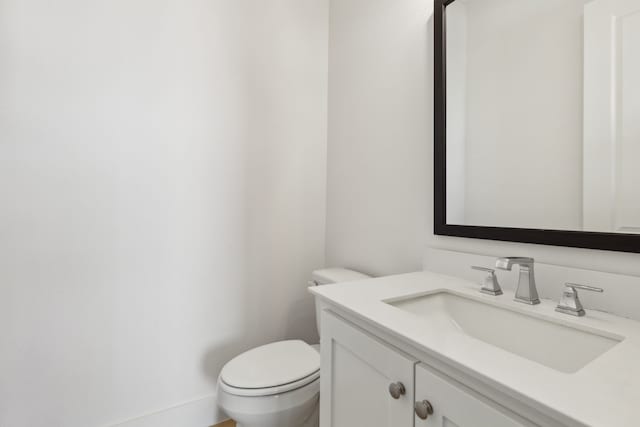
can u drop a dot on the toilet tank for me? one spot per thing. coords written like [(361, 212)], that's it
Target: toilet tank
[(328, 276)]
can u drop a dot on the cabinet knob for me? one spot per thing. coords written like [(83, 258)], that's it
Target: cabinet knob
[(396, 390), (423, 409)]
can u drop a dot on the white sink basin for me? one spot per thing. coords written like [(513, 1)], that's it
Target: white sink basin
[(545, 341)]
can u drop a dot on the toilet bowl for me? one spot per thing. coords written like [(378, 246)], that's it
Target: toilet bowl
[(278, 384), (293, 409)]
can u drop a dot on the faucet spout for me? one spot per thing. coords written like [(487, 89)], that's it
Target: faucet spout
[(526, 292), (506, 263)]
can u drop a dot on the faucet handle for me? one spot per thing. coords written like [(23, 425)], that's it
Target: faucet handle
[(583, 287), (490, 284), (570, 301)]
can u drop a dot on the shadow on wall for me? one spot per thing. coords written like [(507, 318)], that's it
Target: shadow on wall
[(281, 179), (216, 356), (298, 321), (379, 134)]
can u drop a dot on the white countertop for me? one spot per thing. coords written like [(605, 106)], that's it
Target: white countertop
[(603, 393)]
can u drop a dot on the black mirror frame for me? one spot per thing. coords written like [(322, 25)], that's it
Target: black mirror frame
[(576, 239)]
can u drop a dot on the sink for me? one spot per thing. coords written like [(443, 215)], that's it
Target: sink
[(553, 344)]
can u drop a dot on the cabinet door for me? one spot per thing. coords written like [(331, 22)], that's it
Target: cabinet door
[(357, 370), (457, 406)]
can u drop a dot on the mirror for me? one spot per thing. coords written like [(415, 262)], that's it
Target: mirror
[(538, 121)]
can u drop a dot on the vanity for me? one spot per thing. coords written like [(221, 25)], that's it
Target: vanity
[(425, 349), (536, 112)]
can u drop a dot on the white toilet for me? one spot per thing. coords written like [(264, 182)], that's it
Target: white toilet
[(278, 384)]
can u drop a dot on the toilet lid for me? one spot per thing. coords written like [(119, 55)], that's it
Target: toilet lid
[(272, 365)]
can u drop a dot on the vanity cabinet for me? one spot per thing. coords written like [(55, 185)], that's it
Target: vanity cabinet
[(367, 382)]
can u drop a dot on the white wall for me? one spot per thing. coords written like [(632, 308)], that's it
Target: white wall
[(378, 94), (162, 177), (363, 130)]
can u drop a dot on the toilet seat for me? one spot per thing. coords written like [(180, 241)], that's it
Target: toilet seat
[(268, 391), (271, 369)]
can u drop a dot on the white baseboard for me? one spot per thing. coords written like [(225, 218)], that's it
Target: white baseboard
[(201, 412)]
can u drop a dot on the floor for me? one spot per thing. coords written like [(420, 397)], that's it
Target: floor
[(229, 423)]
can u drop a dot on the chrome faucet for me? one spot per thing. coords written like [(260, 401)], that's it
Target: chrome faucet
[(526, 292)]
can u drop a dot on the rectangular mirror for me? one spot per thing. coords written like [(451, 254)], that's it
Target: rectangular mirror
[(538, 121)]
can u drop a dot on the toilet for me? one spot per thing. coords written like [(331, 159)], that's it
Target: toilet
[(278, 384)]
